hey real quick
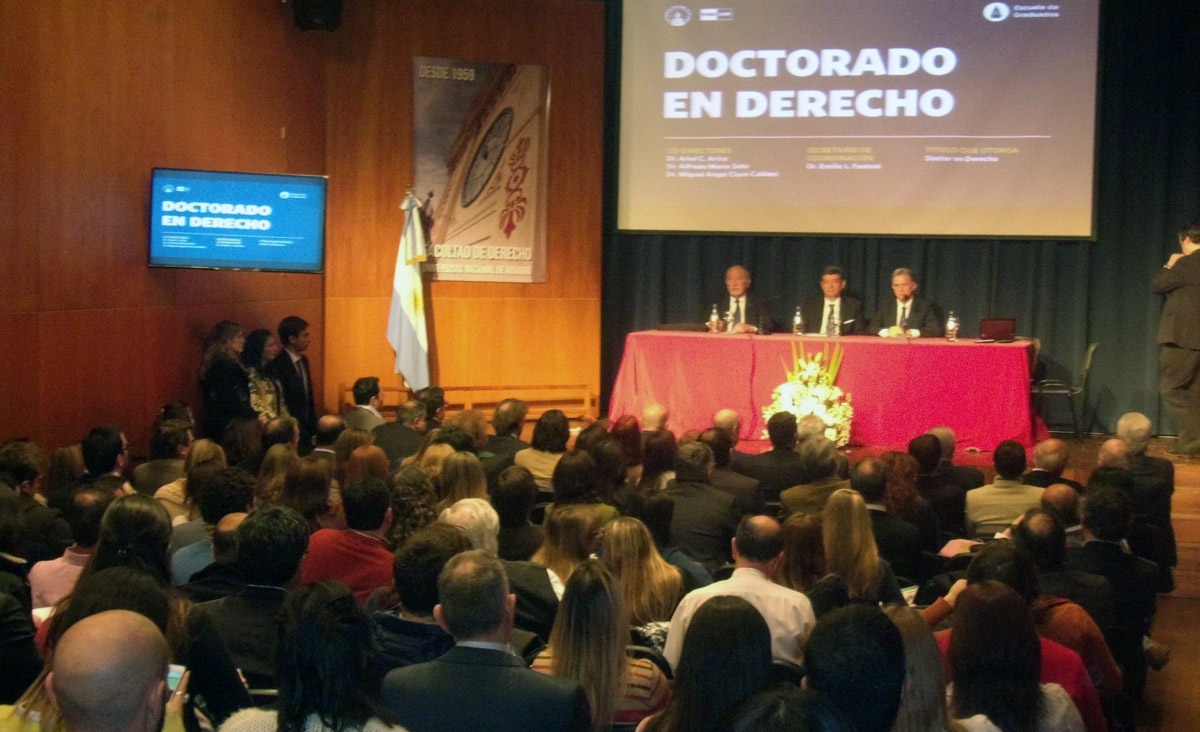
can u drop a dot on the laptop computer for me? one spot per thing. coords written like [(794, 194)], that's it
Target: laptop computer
[(1000, 330)]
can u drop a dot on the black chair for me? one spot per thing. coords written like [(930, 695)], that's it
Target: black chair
[(786, 672), (652, 655), (1055, 387)]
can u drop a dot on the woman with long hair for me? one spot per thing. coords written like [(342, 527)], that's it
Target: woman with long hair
[(323, 645), (272, 473), (414, 504), (651, 587), (461, 477), (576, 481), (725, 660), (658, 466), (902, 498), (226, 383), (572, 535), (266, 393), (587, 644), (174, 496), (307, 490), (923, 704), (550, 435), (134, 532), (856, 573), (628, 435), (803, 562), (995, 658)]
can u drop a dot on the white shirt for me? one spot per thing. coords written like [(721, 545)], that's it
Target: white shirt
[(788, 613), (741, 310)]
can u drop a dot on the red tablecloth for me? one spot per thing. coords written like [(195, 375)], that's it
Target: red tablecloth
[(899, 388)]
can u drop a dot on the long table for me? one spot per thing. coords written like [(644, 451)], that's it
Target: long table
[(898, 387)]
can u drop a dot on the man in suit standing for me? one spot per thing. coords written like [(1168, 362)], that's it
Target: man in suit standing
[(906, 314), (292, 369), (367, 401), (747, 310), (819, 312), (1179, 339), (480, 683)]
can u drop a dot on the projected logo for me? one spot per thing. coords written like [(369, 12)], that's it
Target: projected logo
[(679, 15), (996, 12)]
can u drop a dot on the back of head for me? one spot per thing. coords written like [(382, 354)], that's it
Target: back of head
[(721, 445), (116, 588), (509, 417), (366, 502), (109, 672), (945, 438), (995, 657), (758, 539), (365, 389), (590, 436), (346, 443), (201, 451), (1113, 453), (329, 428), (87, 510), (474, 424), (728, 421), (134, 532), (306, 488), (170, 438), (628, 435), (803, 552), (927, 451), (551, 432), (656, 514), (694, 462), (1135, 430), (1043, 537), (515, 495), (781, 430), (462, 477), (1062, 500), (253, 347), (789, 708), (271, 543), (322, 646), (869, 478), (1009, 459), (101, 447), (571, 531), (366, 461), (591, 630), (420, 560), (818, 455), (808, 427), (855, 656), (659, 452), (923, 706), (478, 520), (574, 478), (473, 595), (280, 431), (1050, 455), (1106, 513), (454, 436), (433, 398), (654, 416), (850, 550), (230, 491), (611, 470), (224, 537), (1005, 562)]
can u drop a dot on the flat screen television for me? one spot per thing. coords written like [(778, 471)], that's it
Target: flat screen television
[(216, 220)]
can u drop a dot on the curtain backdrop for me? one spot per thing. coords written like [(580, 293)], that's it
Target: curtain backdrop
[(1066, 293)]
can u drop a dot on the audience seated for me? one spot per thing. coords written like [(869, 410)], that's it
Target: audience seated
[(855, 656), (757, 553), (329, 428), (513, 498), (576, 482), (508, 421), (475, 607), (357, 556), (923, 704), (168, 447), (729, 422), (960, 475), (400, 439), (53, 579), (191, 528), (855, 571), (1153, 480), (244, 441), (229, 491), (897, 540), (818, 458), (1040, 534), (222, 578), (946, 499), (705, 517), (658, 462), (778, 468), (43, 533), (657, 513), (175, 496), (745, 492), (365, 462), (1049, 460), (1062, 500), (650, 586), (306, 490), (628, 434), (549, 442), (414, 504), (803, 562), (572, 535), (992, 508), (364, 415), (461, 477), (902, 499)]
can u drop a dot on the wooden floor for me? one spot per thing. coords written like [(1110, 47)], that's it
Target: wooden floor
[(1171, 701)]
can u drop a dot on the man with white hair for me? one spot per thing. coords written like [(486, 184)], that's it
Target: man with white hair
[(109, 674), (1153, 480), (730, 422), (963, 476)]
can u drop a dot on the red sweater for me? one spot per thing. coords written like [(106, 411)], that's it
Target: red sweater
[(359, 561)]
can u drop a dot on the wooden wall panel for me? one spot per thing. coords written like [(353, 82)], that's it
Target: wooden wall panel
[(19, 374), (483, 333)]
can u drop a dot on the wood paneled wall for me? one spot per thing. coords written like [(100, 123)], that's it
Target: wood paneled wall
[(481, 333), (96, 94)]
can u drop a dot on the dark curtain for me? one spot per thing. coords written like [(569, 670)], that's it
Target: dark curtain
[(1065, 293)]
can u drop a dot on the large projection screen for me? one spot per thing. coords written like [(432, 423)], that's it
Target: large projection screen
[(882, 117)]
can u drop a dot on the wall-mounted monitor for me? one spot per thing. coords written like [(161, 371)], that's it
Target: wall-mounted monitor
[(217, 220)]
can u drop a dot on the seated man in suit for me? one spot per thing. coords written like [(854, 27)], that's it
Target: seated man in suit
[(479, 683), (905, 314), (1061, 500), (401, 438), (964, 475), (744, 490), (705, 517), (818, 455), (779, 467), (947, 499), (1041, 534), (730, 422), (746, 309), (1049, 460), (899, 542), (367, 401), (1153, 481), (498, 452), (833, 307), (993, 508)]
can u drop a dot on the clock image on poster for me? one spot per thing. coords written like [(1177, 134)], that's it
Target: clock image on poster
[(487, 156)]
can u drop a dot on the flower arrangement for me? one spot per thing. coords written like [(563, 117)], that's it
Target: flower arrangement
[(810, 389)]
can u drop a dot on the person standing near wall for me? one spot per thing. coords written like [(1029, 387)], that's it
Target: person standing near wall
[(1179, 339)]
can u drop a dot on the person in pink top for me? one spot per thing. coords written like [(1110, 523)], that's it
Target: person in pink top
[(53, 579)]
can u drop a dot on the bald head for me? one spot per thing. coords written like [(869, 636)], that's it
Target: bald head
[(1061, 500), (758, 543), (729, 422), (1051, 456), (109, 672), (1114, 453), (225, 537), (654, 416)]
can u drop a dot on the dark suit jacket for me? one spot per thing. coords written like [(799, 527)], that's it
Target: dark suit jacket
[(746, 495), (899, 542), (536, 602), (1153, 486), (703, 523), (398, 441), (303, 409), (775, 470), (961, 475), (757, 309), (1090, 591), (1179, 323), (1134, 581), (922, 315), (1044, 479), (483, 690), (947, 500), (813, 312), (497, 455), (247, 624), (226, 395)]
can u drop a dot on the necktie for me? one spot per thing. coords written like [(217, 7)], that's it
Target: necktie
[(303, 377), (737, 310), (904, 317), (830, 328)]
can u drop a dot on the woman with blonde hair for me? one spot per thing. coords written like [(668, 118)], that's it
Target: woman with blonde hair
[(923, 705), (272, 473), (651, 587), (572, 534), (856, 572), (587, 644), (803, 562), (461, 477), (174, 496)]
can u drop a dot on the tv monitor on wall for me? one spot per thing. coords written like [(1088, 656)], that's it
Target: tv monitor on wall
[(217, 220)]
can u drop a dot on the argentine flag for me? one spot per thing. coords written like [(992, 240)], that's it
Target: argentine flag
[(406, 321)]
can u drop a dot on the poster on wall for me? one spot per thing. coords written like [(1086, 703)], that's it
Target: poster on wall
[(480, 142)]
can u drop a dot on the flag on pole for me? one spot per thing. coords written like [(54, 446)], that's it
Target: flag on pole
[(406, 321)]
